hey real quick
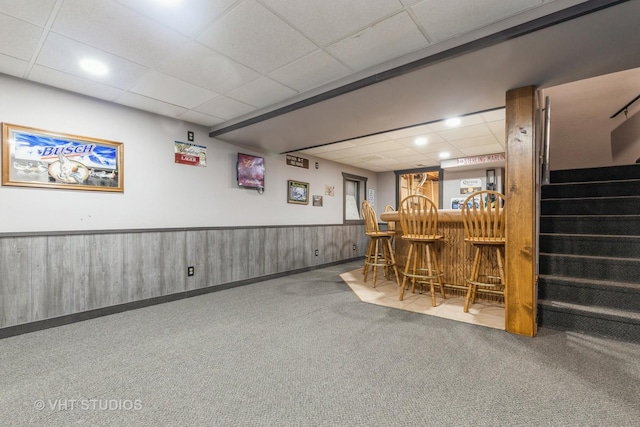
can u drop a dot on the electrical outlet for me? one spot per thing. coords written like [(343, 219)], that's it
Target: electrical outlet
[(354, 247), (190, 271), (317, 252)]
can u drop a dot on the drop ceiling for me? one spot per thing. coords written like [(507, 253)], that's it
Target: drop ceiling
[(252, 70)]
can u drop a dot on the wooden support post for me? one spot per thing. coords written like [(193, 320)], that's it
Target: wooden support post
[(520, 249)]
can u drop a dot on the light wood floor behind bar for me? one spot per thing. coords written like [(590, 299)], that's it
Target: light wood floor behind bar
[(484, 313)]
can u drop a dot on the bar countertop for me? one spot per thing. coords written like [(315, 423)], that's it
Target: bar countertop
[(444, 215)]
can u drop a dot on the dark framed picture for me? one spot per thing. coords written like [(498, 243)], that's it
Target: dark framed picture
[(250, 171), (39, 158), (298, 192), (317, 200)]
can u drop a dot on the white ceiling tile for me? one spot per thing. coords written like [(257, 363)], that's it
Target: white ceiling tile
[(187, 18), (63, 54), (310, 71), (356, 151), (117, 29), (255, 37), (18, 38), (410, 2), (12, 66), (391, 38), (169, 89), (73, 83), (434, 148), (333, 155), (482, 149), (421, 130), (224, 108), (441, 18), (261, 92), (473, 119), (403, 152), (415, 159), (474, 142), (203, 67), (493, 116), (192, 116), (453, 154), (381, 147), (329, 147), (432, 139), (34, 11), (372, 139), (147, 104), (383, 161), (465, 132), (498, 130), (325, 21)]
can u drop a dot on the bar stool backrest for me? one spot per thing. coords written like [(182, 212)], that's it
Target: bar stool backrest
[(391, 225), (418, 216), (483, 217), (370, 219)]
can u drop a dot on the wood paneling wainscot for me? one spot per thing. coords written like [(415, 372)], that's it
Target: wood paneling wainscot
[(49, 276)]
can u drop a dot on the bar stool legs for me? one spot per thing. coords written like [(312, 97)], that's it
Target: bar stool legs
[(380, 254), (475, 273), (422, 267)]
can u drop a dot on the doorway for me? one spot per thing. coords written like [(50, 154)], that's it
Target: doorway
[(425, 181)]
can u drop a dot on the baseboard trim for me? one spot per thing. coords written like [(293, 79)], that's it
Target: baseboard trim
[(40, 325)]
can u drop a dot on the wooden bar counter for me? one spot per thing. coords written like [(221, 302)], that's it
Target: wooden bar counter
[(455, 255)]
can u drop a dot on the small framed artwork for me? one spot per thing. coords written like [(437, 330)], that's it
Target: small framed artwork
[(298, 192), (317, 200), (39, 158)]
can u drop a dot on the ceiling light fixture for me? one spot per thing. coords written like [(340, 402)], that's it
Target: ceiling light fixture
[(452, 122), (444, 155), (169, 2), (94, 67), (420, 141)]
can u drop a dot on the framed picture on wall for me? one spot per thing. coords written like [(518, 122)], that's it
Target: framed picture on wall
[(298, 192), (39, 158), (250, 171)]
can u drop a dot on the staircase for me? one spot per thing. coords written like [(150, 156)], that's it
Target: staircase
[(589, 265)]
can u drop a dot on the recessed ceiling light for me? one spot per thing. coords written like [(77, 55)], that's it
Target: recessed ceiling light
[(444, 155), (94, 67), (420, 141), (452, 122)]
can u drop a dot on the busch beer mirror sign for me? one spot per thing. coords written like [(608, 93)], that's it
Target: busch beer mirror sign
[(37, 158)]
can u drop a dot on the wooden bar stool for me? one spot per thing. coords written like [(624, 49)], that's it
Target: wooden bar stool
[(484, 227), (379, 251), (419, 222)]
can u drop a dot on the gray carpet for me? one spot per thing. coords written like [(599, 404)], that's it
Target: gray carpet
[(304, 351)]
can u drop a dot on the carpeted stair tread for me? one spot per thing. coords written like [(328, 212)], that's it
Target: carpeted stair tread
[(594, 283), (596, 174), (575, 190), (588, 291), (594, 311), (591, 224), (592, 257), (622, 205), (590, 267), (590, 244)]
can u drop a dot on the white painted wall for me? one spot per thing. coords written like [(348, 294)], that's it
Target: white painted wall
[(158, 193), (387, 191)]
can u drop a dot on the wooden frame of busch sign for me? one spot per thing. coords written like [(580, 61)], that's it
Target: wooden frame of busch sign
[(38, 158)]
